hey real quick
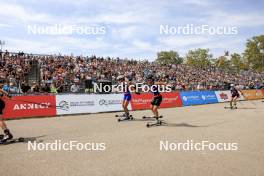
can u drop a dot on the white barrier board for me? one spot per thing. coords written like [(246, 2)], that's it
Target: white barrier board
[(84, 103)]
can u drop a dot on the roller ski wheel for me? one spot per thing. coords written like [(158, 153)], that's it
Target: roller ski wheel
[(157, 123), (130, 117), (118, 115)]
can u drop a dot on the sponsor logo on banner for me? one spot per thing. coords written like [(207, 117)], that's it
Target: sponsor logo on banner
[(209, 97), (225, 96), (75, 104), (64, 105), (109, 102), (191, 98), (30, 106), (67, 105), (143, 101), (198, 97)]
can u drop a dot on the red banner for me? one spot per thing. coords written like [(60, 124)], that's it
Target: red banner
[(29, 106), (169, 99)]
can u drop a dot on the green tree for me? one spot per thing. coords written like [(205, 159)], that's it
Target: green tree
[(237, 62), (199, 58), (223, 63), (254, 53), (168, 57)]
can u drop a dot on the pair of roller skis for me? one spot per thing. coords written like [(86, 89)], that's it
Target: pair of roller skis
[(127, 117)]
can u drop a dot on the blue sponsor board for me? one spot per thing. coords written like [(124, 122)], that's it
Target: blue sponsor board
[(191, 98), (198, 97), (209, 97)]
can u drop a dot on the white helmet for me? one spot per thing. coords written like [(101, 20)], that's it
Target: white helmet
[(232, 85)]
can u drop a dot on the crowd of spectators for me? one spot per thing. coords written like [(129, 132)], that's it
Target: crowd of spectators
[(60, 74), (13, 68), (76, 70)]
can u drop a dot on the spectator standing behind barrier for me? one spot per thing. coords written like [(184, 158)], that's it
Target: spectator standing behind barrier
[(46, 88), (35, 87), (25, 87), (75, 88), (60, 87), (6, 87), (12, 88), (53, 88)]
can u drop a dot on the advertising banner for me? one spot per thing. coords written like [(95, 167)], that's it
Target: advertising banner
[(252, 94), (76, 104), (30, 106), (191, 98), (259, 94), (143, 101), (208, 97), (225, 96)]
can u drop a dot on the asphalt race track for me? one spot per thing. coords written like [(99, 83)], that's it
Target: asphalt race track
[(132, 149)]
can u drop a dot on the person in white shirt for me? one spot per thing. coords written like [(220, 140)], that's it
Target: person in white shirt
[(75, 88)]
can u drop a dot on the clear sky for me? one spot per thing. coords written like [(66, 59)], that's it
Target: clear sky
[(131, 28)]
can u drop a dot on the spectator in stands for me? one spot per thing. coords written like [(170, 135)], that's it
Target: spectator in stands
[(53, 88), (46, 88), (25, 88), (12, 88), (65, 70), (75, 88), (35, 88), (6, 87)]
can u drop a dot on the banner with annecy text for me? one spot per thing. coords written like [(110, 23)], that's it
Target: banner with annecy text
[(143, 101), (29, 106), (198, 97), (85, 103)]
